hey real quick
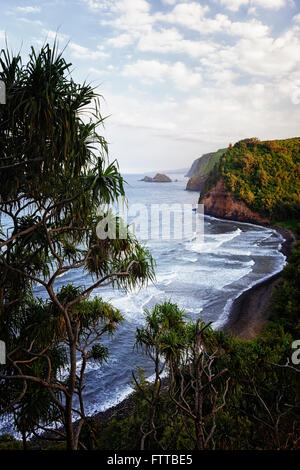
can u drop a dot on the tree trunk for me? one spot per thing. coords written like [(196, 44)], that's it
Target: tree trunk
[(70, 390)]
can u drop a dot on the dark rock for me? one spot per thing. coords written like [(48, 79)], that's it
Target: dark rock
[(158, 178)]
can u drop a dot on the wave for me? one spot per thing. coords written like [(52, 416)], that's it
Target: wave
[(217, 240), (226, 311)]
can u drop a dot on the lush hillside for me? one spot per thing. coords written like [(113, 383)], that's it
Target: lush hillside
[(201, 168), (204, 164), (263, 175)]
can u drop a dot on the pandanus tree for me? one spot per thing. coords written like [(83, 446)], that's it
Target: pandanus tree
[(54, 176), (162, 339), (197, 384)]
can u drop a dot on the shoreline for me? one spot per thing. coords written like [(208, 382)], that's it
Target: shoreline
[(250, 311), (245, 320), (248, 315)]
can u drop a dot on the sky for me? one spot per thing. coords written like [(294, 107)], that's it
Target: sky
[(178, 78)]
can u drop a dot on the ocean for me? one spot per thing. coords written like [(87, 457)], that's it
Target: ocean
[(203, 276)]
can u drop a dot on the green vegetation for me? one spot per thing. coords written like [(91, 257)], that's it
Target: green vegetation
[(203, 165), (54, 177), (265, 175), (286, 308), (222, 393)]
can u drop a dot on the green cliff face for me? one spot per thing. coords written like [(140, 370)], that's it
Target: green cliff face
[(200, 169), (263, 175), (203, 165)]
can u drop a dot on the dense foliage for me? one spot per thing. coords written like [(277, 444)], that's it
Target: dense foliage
[(260, 409), (203, 165), (54, 177), (265, 175), (220, 392)]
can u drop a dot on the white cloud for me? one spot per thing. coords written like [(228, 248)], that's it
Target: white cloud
[(81, 52), (169, 2), (121, 40), (296, 18), (170, 40), (26, 20), (2, 34), (227, 64), (186, 14), (271, 4), (262, 56), (133, 16), (234, 5), (28, 9), (182, 77), (193, 16), (208, 119), (50, 34), (98, 4)]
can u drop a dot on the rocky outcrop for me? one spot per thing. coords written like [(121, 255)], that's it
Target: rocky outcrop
[(158, 178), (196, 184), (147, 179), (220, 203)]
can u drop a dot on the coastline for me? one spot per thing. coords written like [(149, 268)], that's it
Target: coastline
[(248, 315), (251, 310)]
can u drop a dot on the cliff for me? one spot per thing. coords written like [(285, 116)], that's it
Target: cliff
[(220, 203), (200, 169), (196, 184), (255, 181)]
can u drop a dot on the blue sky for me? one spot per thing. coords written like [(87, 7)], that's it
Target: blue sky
[(179, 78)]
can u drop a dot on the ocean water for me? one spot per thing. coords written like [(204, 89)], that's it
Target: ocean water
[(203, 276)]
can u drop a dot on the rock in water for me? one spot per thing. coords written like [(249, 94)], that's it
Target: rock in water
[(158, 178)]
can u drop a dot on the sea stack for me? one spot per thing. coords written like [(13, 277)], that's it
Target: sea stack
[(158, 178)]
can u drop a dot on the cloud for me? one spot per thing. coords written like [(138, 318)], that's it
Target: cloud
[(168, 41), (98, 4), (50, 34), (29, 9), (2, 34), (133, 16), (225, 64), (190, 15), (263, 56), (296, 18), (169, 2), (178, 73), (26, 20), (234, 5), (81, 52), (193, 16), (121, 40)]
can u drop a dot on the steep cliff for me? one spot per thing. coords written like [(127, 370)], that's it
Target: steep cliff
[(255, 181), (200, 169), (220, 203), (196, 184)]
